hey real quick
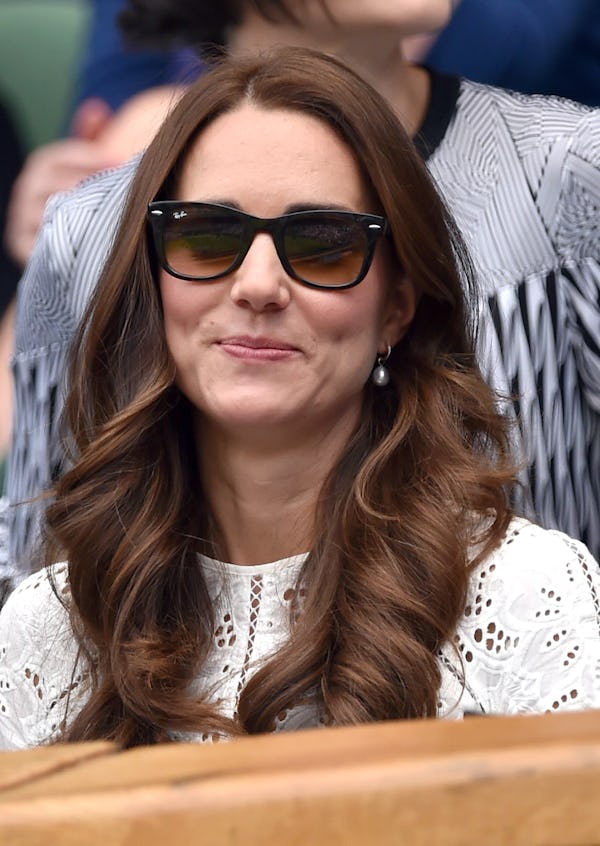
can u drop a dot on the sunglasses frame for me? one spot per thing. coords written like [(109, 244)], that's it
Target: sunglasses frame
[(162, 212)]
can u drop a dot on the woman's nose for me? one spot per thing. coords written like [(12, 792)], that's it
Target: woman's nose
[(261, 283)]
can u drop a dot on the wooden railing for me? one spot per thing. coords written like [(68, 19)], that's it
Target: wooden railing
[(518, 781)]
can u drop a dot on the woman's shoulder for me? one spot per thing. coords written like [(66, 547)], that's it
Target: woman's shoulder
[(38, 659), (529, 548), (524, 124), (538, 589), (530, 117), (539, 584), (529, 638), (533, 566), (51, 579), (39, 602)]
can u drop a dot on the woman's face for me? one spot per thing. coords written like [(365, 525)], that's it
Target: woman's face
[(256, 350)]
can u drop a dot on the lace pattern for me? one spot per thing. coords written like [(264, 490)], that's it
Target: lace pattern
[(529, 639), (7, 572)]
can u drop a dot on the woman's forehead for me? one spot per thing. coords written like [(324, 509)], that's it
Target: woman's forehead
[(286, 155)]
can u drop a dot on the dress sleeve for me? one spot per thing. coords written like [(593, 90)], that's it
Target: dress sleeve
[(37, 663), (577, 237), (75, 239), (531, 636), (6, 571)]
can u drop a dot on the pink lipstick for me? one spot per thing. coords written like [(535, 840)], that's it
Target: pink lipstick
[(257, 348)]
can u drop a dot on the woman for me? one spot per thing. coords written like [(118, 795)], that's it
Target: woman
[(287, 504), (540, 326)]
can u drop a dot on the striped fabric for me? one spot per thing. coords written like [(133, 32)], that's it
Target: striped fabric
[(522, 177)]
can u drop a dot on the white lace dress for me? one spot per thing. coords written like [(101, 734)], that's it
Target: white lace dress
[(529, 638)]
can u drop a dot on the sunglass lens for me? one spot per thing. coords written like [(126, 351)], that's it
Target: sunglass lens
[(328, 251), (203, 246)]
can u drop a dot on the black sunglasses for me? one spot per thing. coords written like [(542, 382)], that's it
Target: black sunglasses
[(320, 248)]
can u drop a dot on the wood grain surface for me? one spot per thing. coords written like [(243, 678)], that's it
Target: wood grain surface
[(519, 781)]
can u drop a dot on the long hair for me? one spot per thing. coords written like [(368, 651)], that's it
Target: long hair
[(421, 481)]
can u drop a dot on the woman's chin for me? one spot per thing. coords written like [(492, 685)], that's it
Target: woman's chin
[(251, 419)]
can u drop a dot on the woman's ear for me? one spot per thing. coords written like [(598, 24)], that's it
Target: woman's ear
[(400, 312)]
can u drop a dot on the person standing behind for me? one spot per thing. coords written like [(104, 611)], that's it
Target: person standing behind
[(520, 174)]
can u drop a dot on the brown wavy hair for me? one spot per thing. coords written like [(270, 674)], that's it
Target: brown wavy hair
[(423, 478)]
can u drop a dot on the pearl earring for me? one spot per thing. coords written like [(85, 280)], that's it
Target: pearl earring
[(381, 375)]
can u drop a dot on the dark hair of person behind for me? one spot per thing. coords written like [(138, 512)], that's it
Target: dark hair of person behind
[(421, 481), (193, 23)]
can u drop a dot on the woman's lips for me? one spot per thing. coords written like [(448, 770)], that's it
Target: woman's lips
[(257, 348)]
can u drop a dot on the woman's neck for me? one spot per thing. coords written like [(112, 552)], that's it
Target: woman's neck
[(263, 496), (374, 53)]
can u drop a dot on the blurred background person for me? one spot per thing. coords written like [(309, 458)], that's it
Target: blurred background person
[(122, 94)]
